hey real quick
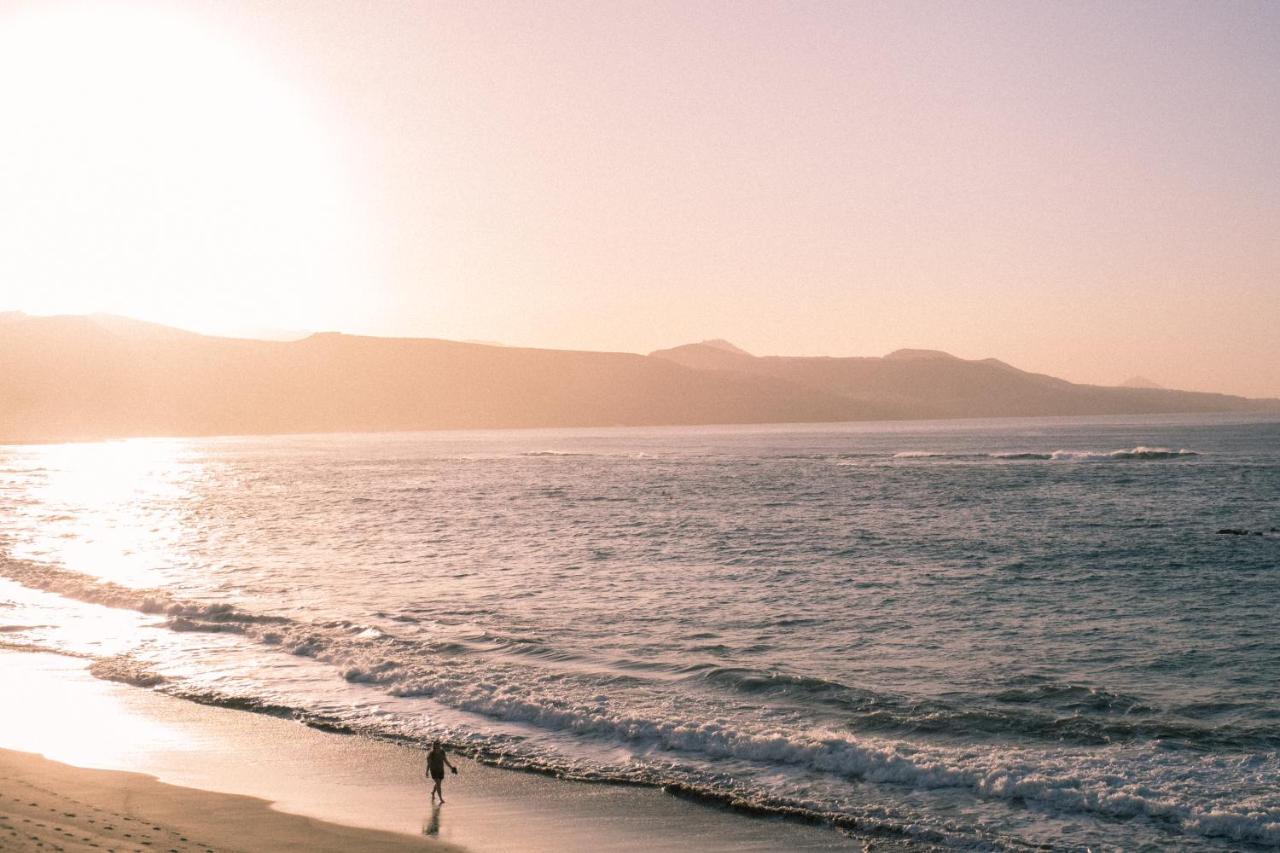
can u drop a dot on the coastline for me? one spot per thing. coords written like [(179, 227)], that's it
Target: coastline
[(53, 806), (235, 780)]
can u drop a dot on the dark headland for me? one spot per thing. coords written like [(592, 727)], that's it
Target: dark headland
[(85, 377)]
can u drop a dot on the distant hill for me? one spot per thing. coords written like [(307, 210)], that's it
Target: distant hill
[(722, 344), (920, 383), (77, 377), (83, 377), (1140, 382)]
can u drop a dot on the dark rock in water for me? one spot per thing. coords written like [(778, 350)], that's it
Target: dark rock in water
[(1232, 531)]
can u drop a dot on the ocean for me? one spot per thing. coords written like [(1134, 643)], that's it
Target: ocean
[(972, 634)]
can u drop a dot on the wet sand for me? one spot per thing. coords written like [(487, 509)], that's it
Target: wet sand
[(296, 788), (49, 806)]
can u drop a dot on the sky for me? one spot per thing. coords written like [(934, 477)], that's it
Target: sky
[(1090, 190)]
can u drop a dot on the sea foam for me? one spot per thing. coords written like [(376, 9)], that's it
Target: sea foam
[(1184, 789)]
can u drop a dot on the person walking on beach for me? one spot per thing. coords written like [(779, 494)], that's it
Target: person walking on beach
[(437, 761)]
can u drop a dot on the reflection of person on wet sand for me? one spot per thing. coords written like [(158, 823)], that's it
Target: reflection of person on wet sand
[(433, 825), (437, 761)]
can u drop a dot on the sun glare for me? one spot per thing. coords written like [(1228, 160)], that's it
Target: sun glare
[(78, 720), (155, 167), (112, 510)]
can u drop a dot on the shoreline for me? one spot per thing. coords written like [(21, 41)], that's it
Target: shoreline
[(49, 805), (331, 784)]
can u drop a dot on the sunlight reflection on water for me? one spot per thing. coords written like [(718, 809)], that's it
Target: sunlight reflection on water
[(113, 509)]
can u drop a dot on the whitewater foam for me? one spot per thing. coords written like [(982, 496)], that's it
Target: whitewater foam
[(1147, 781), (1136, 453)]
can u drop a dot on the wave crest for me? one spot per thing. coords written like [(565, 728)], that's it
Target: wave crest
[(1184, 789), (1136, 453)]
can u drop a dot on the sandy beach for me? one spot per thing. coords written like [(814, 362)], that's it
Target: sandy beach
[(95, 765), (53, 806)]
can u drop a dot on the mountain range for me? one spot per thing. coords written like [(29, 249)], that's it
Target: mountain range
[(97, 376)]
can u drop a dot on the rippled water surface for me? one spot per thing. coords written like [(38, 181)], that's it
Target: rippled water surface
[(983, 634)]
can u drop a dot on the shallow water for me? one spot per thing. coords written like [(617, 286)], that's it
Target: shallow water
[(983, 634)]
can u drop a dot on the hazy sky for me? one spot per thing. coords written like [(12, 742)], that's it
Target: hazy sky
[(1089, 190)]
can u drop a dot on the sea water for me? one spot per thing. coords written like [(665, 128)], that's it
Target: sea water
[(975, 634)]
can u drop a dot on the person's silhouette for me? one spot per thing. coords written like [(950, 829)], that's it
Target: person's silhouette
[(436, 763)]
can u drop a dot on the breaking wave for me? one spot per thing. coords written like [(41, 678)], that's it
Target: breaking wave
[(1137, 776), (1138, 453)]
